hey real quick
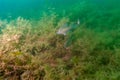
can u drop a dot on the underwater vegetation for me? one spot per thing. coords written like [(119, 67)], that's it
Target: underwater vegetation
[(84, 45), (34, 51)]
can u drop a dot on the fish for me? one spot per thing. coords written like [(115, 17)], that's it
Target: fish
[(66, 28)]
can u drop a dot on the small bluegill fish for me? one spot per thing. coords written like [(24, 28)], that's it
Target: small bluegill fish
[(63, 30), (67, 28)]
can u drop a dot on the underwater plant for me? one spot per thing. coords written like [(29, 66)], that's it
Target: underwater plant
[(57, 48)]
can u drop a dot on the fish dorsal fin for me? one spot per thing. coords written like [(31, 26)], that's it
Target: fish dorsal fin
[(78, 21)]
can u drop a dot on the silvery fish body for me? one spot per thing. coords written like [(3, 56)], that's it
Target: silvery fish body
[(67, 28), (63, 30)]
